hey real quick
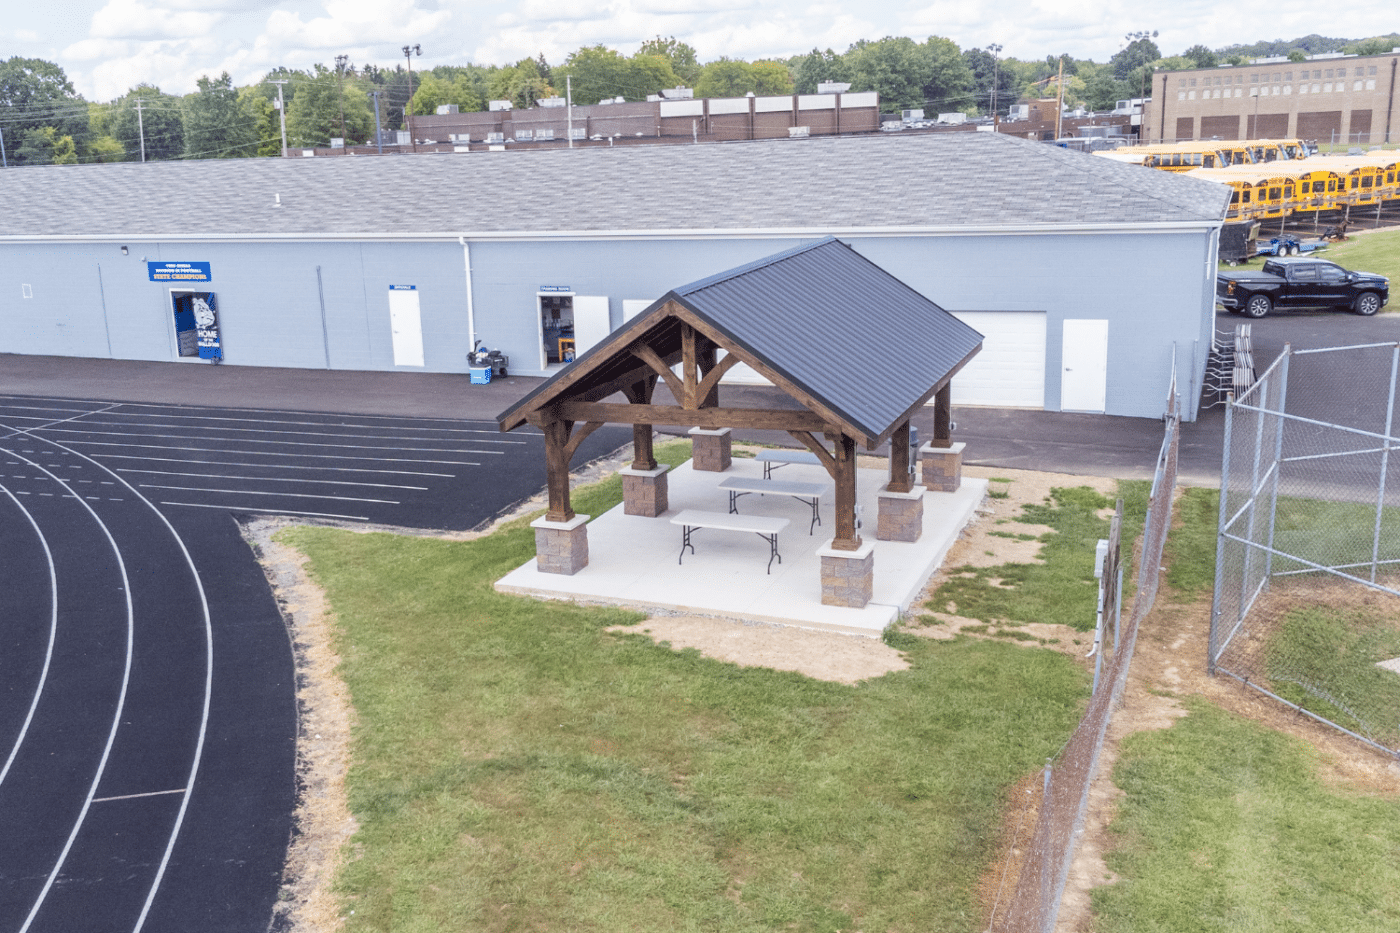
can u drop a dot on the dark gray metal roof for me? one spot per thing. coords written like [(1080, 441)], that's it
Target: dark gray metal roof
[(825, 319), (825, 185)]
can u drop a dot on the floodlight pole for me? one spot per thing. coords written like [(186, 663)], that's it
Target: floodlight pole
[(141, 128), (378, 132), (995, 49), (340, 61)]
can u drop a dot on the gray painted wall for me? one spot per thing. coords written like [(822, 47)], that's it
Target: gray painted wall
[(89, 300)]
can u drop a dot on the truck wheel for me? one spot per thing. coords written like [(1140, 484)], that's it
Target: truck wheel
[(1368, 303), (1258, 306)]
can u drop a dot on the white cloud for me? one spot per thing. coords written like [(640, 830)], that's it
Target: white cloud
[(133, 19), (354, 23), (26, 35)]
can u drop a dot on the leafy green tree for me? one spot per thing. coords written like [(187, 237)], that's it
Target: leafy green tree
[(650, 74), (1297, 55), (216, 127), (816, 68), (1201, 57), (987, 71), (64, 151), (314, 117), (1378, 45), (394, 93), (42, 146), (1102, 90), (910, 75), (160, 121), (726, 77), (522, 84), (435, 91), (771, 78), (267, 123), (104, 149), (1134, 55), (35, 93), (598, 73), (679, 55)]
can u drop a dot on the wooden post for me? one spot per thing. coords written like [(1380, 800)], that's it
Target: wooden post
[(943, 417), (847, 538), (643, 456), (556, 462), (901, 477), (705, 357)]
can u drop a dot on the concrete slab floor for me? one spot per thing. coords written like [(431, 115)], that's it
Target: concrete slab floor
[(633, 561)]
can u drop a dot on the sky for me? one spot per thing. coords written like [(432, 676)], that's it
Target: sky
[(108, 46)]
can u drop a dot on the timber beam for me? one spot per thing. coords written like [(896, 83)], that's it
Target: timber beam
[(772, 419)]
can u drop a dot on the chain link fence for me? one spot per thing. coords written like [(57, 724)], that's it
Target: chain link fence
[(1308, 553), (1034, 904)]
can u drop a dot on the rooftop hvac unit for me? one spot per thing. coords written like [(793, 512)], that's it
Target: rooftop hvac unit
[(909, 116), (678, 93), (524, 136), (799, 132), (578, 132), (543, 135), (403, 138), (445, 109), (499, 105), (495, 137), (337, 142), (551, 102), (613, 100), (832, 87), (460, 137)]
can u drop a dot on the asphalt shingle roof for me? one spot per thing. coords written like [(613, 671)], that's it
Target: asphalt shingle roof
[(841, 185), (827, 320)]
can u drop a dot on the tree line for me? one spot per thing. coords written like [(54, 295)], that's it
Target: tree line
[(44, 121)]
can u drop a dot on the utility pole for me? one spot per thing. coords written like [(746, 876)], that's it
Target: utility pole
[(282, 110), (569, 94), (340, 61), (408, 52), (4, 160), (1060, 98), (141, 128), (995, 49), (378, 133)]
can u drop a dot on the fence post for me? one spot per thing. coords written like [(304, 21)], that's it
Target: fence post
[(1385, 462), (1280, 408), (1220, 535)]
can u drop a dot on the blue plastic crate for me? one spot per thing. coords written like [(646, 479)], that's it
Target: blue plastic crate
[(481, 375)]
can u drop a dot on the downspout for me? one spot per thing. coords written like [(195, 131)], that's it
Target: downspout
[(1390, 104), (471, 317), (1162, 124)]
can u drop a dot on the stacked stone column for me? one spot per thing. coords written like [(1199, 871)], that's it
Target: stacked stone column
[(848, 577), (561, 547), (942, 467), (711, 451), (644, 492)]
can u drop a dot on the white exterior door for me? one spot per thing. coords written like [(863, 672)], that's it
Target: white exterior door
[(1084, 357), (1010, 370), (406, 325), (592, 322)]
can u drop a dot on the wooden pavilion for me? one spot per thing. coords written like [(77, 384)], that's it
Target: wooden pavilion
[(857, 350)]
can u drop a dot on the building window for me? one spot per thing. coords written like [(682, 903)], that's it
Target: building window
[(1276, 76), (1190, 95), (1180, 95), (1372, 70), (1370, 84), (1317, 89), (1302, 89), (1217, 82), (1254, 79), (1288, 76), (1288, 89), (1327, 88), (1356, 85), (1193, 82), (1239, 91), (1329, 73), (1276, 90), (1183, 83), (1239, 79), (1317, 73)]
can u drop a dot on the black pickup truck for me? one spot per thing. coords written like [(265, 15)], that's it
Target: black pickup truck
[(1301, 283)]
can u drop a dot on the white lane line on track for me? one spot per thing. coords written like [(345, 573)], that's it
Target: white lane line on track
[(249, 508), (250, 440), (153, 793), (274, 479), (278, 453), (53, 634), (275, 466), (116, 717), (299, 433), (204, 713), (255, 411), (261, 492)]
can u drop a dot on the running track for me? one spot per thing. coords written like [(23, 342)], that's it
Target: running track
[(147, 705)]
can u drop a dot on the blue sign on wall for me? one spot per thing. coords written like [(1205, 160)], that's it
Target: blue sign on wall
[(179, 272), (556, 289)]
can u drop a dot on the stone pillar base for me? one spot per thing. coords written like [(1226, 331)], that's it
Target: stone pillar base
[(901, 515), (561, 547), (711, 451), (848, 577), (644, 492), (942, 467)]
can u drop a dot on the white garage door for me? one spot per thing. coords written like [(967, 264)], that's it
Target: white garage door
[(1010, 370)]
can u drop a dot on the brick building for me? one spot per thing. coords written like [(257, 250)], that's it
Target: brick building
[(1333, 99)]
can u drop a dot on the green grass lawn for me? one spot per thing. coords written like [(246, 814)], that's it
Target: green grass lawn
[(1226, 828), (1062, 589), (1372, 252), (517, 767)]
